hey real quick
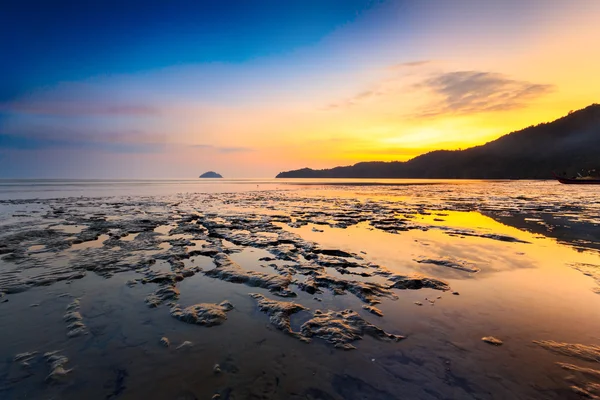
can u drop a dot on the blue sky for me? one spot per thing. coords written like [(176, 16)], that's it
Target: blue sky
[(249, 88), (45, 42)]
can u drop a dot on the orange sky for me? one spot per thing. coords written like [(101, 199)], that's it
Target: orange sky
[(399, 80)]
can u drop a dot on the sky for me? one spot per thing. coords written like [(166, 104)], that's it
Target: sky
[(156, 89)]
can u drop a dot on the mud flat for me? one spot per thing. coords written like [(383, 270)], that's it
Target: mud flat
[(111, 297)]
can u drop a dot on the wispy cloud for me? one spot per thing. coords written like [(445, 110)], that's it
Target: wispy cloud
[(392, 84), (410, 64), (468, 92), (78, 108), (455, 92), (354, 100), (224, 149), (45, 137)]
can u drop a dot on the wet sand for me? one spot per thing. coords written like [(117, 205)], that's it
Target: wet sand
[(312, 292)]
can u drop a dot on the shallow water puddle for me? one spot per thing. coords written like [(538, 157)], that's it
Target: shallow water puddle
[(72, 229), (249, 260), (91, 244), (129, 237)]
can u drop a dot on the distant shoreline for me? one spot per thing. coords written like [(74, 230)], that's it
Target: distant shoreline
[(569, 144)]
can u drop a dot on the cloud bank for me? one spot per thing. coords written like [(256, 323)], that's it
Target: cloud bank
[(470, 92)]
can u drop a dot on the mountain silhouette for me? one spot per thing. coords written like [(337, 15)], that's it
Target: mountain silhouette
[(566, 145)]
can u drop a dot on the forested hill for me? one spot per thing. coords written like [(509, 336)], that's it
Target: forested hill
[(569, 144)]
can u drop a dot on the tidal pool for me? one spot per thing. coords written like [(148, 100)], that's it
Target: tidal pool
[(304, 292)]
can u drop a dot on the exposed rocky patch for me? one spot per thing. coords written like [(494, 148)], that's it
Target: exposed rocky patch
[(228, 270), (448, 263), (333, 252), (341, 328), (416, 281), (73, 318), (161, 295), (206, 314), (594, 373), (184, 345), (591, 270), (373, 310), (24, 358), (584, 352), (583, 381), (57, 364), (279, 312), (492, 340), (369, 292), (493, 236)]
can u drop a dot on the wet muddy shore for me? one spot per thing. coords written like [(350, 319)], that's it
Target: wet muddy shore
[(484, 291)]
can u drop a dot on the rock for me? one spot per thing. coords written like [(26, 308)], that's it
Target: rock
[(333, 252), (72, 316), (279, 312), (594, 373), (75, 329), (455, 293), (75, 326), (161, 295), (57, 366), (217, 369), (184, 345), (492, 340), (449, 263), (207, 314), (229, 271), (309, 286), (165, 341), (210, 174), (418, 303), (25, 356), (341, 328), (366, 291), (373, 310), (416, 281), (581, 351), (74, 305)]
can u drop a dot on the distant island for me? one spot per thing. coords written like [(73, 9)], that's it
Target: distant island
[(210, 174), (567, 145)]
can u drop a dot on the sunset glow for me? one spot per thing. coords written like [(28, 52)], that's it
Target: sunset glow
[(251, 91)]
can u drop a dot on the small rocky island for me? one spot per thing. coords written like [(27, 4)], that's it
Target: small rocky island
[(210, 174)]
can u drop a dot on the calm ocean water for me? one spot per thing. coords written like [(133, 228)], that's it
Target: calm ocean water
[(17, 189)]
